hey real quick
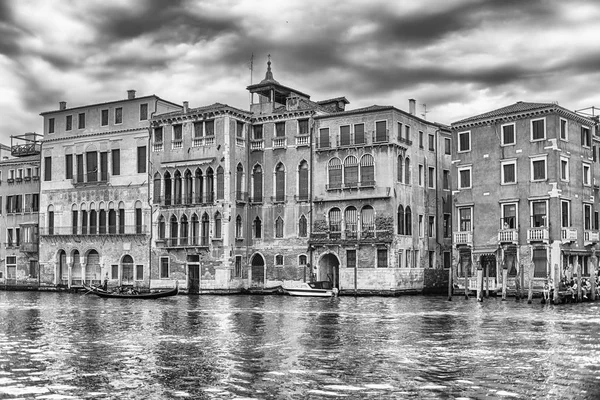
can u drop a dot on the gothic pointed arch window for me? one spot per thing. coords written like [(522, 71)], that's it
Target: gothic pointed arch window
[(168, 191), (204, 230), (334, 171), (280, 182), (239, 182), (173, 232), (407, 171), (303, 181), (367, 170), (238, 227), (257, 182), (157, 188), (407, 221), (210, 185), (400, 169), (218, 222), (350, 171), (257, 228), (400, 220), (188, 187), (302, 227), (183, 229), (195, 229), (161, 227), (279, 227), (220, 183), (112, 220), (198, 187), (178, 189)]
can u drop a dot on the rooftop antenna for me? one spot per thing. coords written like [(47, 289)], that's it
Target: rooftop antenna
[(251, 66), (424, 114)]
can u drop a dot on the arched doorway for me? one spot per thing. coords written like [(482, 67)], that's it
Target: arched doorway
[(329, 269), (76, 278), (62, 271), (92, 267), (258, 271), (490, 271), (127, 270)]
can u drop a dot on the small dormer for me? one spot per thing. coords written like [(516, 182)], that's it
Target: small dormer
[(272, 95)]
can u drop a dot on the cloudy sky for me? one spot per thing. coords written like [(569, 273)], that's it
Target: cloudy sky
[(460, 57)]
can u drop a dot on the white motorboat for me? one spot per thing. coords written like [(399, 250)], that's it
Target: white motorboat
[(314, 289)]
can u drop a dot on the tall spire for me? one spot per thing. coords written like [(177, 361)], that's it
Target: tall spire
[(269, 74)]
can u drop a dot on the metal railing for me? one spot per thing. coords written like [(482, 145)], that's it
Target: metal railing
[(109, 230), (568, 234)]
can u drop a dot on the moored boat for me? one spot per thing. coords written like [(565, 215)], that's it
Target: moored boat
[(313, 289), (132, 294)]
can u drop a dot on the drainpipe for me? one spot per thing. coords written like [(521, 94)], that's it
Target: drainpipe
[(149, 173), (39, 203), (247, 203), (310, 195)]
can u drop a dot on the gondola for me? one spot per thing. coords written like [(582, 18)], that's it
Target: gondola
[(98, 291)]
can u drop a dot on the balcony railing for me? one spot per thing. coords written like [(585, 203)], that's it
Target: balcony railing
[(538, 234), (591, 237), (241, 197), (177, 144), (257, 144), (240, 141), (91, 178), (279, 143), (29, 247), (157, 146), (463, 238), (367, 234), (508, 236), (184, 241), (381, 136), (302, 140), (110, 230), (203, 141), (11, 245), (568, 234)]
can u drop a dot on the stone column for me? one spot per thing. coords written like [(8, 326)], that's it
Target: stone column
[(479, 281)]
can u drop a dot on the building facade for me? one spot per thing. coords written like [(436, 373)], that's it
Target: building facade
[(525, 195), (19, 206), (94, 209)]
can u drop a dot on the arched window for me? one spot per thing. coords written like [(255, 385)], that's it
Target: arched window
[(279, 260), (367, 221), (302, 227), (257, 179), (407, 221), (303, 181), (367, 170), (257, 228), (238, 227), (400, 220), (334, 170), (167, 179), (302, 260), (102, 223), (93, 220), (112, 221), (407, 171), (195, 229), (74, 218), (183, 229), (280, 183), (198, 187), (127, 270), (279, 227), (76, 268), (178, 189), (157, 189), (351, 220), (50, 220), (350, 171), (335, 222), (189, 186), (121, 217), (174, 226), (217, 234), (220, 183), (138, 217), (84, 219), (239, 182), (400, 169), (161, 227), (204, 230), (210, 186)]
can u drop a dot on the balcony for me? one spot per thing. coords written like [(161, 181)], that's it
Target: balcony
[(568, 235), (90, 179), (182, 242), (12, 245), (240, 141), (352, 236), (463, 238), (110, 230), (177, 144), (203, 141), (508, 236), (257, 145), (590, 237), (302, 140), (241, 197), (279, 143), (381, 136), (157, 147), (29, 247), (538, 234)]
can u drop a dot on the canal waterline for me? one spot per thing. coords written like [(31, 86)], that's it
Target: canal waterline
[(61, 345)]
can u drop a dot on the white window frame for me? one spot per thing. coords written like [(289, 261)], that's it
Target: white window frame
[(531, 202), (566, 160), (512, 203), (568, 203), (514, 134), (465, 168), (421, 227), (387, 129), (459, 150), (502, 178), (532, 159), (531, 129), (275, 260), (115, 116), (470, 208), (421, 175), (108, 117), (589, 145), (587, 174), (566, 138), (168, 268), (591, 221)]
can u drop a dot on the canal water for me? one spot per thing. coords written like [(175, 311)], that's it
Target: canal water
[(63, 346)]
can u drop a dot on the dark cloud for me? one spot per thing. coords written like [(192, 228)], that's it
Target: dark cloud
[(10, 32)]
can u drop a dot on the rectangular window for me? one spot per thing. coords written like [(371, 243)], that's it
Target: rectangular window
[(447, 260), (421, 173), (431, 259), (257, 132), (238, 267), (447, 225), (118, 115), (420, 139), (81, 121), (406, 132), (51, 125), (538, 129), (303, 127), (509, 216), (345, 135), (587, 179), (587, 217), (564, 134), (47, 169), (104, 118), (565, 215), (400, 257), (447, 146), (359, 133), (69, 122), (209, 128), (508, 134), (239, 129), (446, 178), (431, 142), (116, 161), (399, 131), (381, 131), (143, 112), (351, 258), (69, 166), (114, 271), (431, 178), (431, 225), (35, 202), (141, 159), (464, 141), (538, 168), (139, 269), (538, 214), (464, 215), (280, 129), (382, 258), (421, 231), (464, 178), (509, 172), (564, 169), (324, 137), (586, 136), (164, 267), (198, 132), (177, 139)]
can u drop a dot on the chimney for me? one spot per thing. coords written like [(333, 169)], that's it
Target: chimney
[(412, 106), (130, 94), (186, 107), (62, 105)]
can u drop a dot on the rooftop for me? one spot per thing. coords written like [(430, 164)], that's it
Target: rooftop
[(518, 107)]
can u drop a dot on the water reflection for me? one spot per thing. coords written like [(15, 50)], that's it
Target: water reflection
[(55, 345)]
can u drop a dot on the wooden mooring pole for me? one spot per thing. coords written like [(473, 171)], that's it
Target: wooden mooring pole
[(530, 291), (579, 269), (504, 282), (450, 283), (593, 272), (487, 281), (479, 282)]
